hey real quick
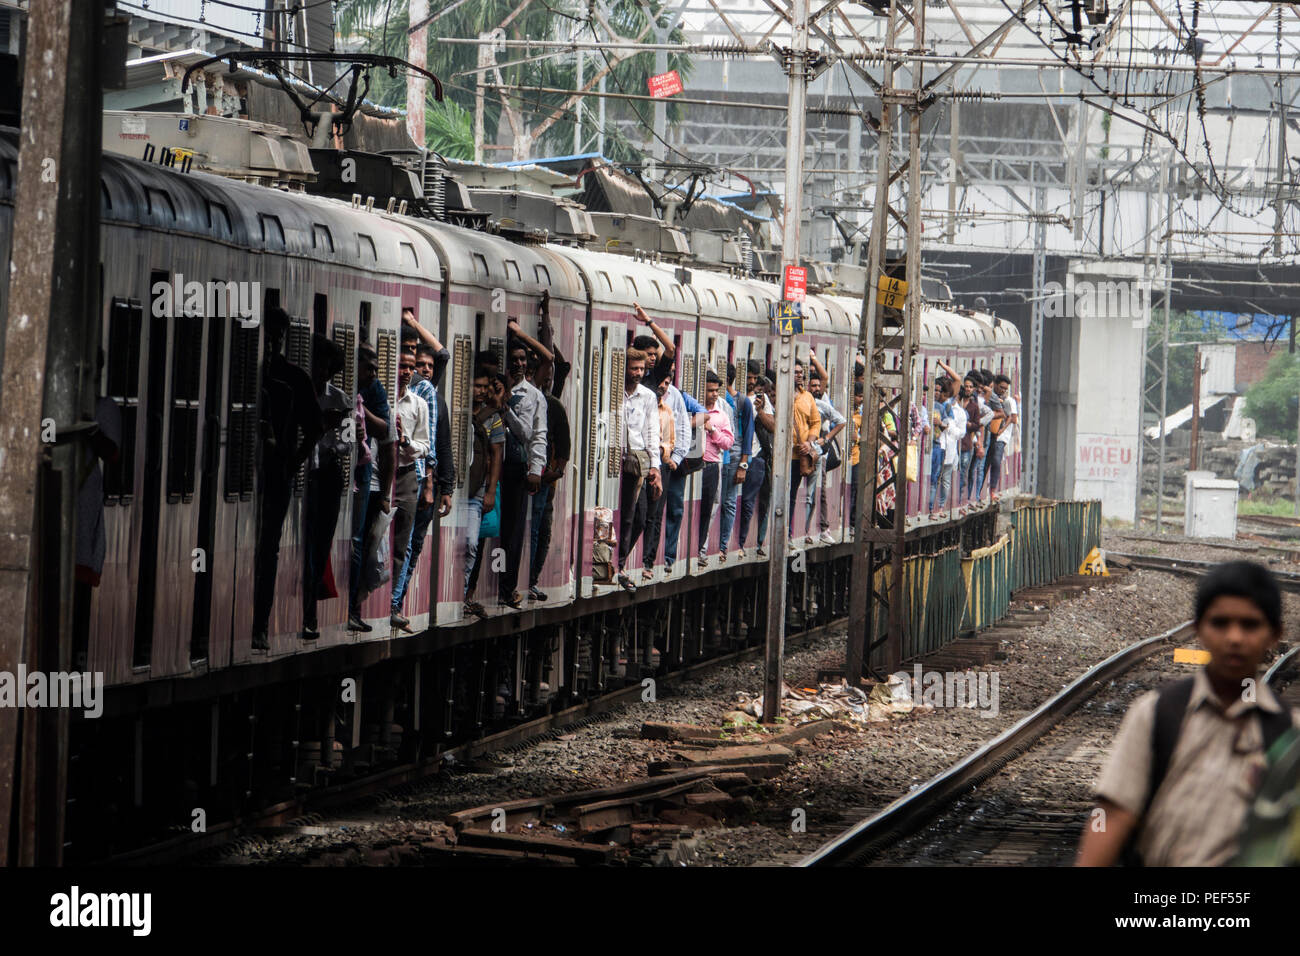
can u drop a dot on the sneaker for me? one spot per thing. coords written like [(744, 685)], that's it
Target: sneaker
[(474, 608), (825, 538), (514, 599), (702, 560), (260, 641), (356, 624), (308, 633), (760, 552), (397, 620), (536, 593)]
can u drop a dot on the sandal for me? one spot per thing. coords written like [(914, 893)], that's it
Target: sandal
[(647, 574), (625, 581)]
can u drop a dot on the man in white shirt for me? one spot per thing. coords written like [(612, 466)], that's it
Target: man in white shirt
[(640, 475), (414, 441), (525, 460), (832, 424), (998, 447)]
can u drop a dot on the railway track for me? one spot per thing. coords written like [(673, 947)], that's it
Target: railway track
[(1288, 581), (1034, 781)]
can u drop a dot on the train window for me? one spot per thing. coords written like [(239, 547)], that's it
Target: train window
[(320, 313), (322, 238), (543, 277), (122, 372), (409, 258), (609, 286), (241, 412), (386, 347), (512, 269), (183, 437), (272, 231), (363, 323), (346, 339), (480, 265), (297, 350), (461, 410), (160, 203), (366, 248), (219, 219), (631, 285)]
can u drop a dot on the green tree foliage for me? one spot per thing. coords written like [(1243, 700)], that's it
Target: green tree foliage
[(382, 25), (1272, 400), (449, 129)]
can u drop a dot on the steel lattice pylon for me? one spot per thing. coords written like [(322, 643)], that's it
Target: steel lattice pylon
[(888, 340)]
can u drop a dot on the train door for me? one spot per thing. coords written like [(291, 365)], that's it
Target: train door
[(602, 442), (150, 498), (209, 464)]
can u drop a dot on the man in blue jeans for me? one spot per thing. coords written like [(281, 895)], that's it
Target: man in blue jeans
[(365, 505), (735, 467)]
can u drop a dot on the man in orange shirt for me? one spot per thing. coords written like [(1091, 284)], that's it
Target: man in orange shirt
[(806, 427)]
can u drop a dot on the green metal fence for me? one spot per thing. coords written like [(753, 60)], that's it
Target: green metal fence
[(948, 594)]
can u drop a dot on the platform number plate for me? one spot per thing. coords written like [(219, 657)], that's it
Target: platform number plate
[(787, 318), (890, 292)]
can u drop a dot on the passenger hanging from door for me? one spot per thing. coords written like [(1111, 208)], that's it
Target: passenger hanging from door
[(525, 460), (289, 427), (324, 482), (639, 476), (718, 437)]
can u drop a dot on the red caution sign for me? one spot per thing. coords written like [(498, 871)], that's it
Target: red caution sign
[(795, 287), (665, 84)]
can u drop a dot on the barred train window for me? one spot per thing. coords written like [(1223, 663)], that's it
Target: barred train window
[(122, 372)]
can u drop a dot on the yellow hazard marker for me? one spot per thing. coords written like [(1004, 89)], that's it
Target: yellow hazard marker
[(1095, 564), (1191, 655)]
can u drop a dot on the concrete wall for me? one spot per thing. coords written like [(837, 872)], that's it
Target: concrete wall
[(1108, 361)]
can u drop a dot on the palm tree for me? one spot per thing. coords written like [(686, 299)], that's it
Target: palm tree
[(544, 119)]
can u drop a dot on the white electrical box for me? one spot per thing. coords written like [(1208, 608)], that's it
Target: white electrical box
[(1211, 510)]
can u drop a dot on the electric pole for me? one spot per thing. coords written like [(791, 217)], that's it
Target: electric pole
[(890, 320), (796, 66)]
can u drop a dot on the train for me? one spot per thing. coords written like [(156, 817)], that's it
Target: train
[(184, 376)]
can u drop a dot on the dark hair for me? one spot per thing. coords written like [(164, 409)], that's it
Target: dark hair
[(943, 382), (277, 321), (409, 333), (763, 382), (755, 367), (326, 355), (1002, 378), (487, 357), (516, 345), (986, 375), (366, 354), (424, 348), (1243, 579), (770, 375), (480, 371), (643, 342), (857, 389), (814, 374), (505, 382), (731, 372), (712, 378)]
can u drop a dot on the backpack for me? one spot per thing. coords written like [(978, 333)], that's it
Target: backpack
[(1171, 707)]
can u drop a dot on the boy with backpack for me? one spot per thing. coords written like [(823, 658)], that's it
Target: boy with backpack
[(1189, 758)]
